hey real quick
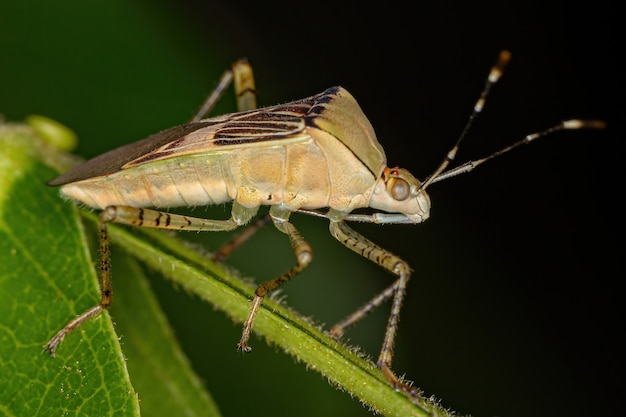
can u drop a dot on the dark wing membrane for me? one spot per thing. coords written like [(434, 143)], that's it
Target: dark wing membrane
[(114, 160), (264, 127), (214, 134)]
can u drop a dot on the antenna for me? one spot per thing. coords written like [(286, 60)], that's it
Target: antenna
[(494, 75)]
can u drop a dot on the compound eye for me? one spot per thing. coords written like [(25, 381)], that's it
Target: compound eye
[(400, 189)]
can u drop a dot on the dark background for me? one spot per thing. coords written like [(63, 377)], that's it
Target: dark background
[(513, 306)]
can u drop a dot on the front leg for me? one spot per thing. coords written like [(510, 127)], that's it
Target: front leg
[(304, 255), (366, 248)]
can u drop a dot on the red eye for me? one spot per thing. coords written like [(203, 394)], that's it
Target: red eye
[(400, 189)]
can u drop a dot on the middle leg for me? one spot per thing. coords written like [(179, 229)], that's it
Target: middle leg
[(304, 255)]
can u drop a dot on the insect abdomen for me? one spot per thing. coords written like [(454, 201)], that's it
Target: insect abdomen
[(178, 182)]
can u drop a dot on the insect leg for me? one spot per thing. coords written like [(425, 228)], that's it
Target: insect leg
[(144, 218), (106, 290), (241, 73), (245, 91), (304, 255), (232, 245), (338, 330), (364, 247)]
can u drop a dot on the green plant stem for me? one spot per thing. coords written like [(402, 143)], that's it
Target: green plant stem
[(279, 325)]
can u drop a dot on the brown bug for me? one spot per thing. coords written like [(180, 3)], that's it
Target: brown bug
[(317, 156)]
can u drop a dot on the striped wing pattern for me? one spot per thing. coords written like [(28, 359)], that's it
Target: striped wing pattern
[(268, 126)]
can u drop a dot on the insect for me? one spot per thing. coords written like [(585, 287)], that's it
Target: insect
[(317, 156)]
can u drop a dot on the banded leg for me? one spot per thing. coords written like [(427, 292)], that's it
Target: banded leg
[(242, 74), (245, 91), (143, 218), (366, 248), (304, 255)]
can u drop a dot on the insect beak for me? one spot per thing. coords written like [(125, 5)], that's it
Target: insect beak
[(421, 206)]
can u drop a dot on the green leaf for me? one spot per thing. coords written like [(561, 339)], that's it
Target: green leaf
[(159, 370), (220, 286), (48, 274), (46, 278)]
